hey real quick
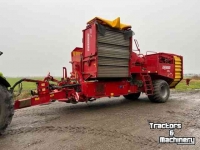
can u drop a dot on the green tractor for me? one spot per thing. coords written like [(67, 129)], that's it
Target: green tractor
[(6, 103)]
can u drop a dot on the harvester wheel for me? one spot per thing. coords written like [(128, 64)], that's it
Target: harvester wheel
[(6, 108), (161, 92), (133, 96)]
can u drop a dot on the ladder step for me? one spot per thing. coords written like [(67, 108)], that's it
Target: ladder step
[(148, 86), (148, 90), (146, 77)]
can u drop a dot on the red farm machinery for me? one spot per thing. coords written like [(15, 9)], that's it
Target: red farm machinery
[(107, 66)]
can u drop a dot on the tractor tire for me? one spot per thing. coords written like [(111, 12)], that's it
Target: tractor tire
[(133, 96), (161, 92), (6, 108)]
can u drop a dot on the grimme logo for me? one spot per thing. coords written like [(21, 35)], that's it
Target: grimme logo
[(88, 42), (166, 67), (172, 138)]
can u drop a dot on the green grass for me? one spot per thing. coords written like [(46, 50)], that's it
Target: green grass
[(194, 84), (26, 85)]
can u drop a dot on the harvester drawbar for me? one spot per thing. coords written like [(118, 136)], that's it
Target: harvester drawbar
[(63, 91), (107, 66)]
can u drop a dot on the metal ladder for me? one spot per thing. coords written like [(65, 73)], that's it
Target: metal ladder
[(147, 82)]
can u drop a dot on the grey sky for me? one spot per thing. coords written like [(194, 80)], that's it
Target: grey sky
[(37, 36)]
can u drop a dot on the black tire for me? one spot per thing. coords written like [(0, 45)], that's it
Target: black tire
[(133, 96), (161, 92), (6, 108)]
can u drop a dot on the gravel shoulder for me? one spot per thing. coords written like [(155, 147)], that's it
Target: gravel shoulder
[(113, 123)]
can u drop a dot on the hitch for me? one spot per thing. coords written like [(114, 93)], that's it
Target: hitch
[(63, 91)]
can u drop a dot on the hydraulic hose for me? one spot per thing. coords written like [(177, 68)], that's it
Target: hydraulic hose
[(36, 81), (18, 82)]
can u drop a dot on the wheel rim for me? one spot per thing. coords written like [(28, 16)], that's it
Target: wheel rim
[(163, 91), (0, 118), (0, 111)]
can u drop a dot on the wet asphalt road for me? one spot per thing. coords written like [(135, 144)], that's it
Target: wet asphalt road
[(113, 123)]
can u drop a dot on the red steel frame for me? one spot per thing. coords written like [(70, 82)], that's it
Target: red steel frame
[(77, 88)]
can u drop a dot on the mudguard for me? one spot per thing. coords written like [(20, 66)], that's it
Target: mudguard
[(3, 80)]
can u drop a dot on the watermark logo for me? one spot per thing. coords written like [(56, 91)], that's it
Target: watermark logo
[(171, 138)]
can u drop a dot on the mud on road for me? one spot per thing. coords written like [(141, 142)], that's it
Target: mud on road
[(113, 123)]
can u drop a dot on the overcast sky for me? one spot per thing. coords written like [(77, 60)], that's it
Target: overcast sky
[(37, 36)]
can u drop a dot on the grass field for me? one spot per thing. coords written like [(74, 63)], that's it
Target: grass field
[(26, 85), (194, 84)]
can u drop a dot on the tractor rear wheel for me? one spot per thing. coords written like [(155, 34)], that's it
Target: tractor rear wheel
[(6, 108), (161, 92), (133, 96)]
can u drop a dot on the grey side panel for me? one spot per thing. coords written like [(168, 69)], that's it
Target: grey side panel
[(112, 71), (113, 55)]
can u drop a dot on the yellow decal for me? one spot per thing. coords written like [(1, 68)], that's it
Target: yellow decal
[(51, 95), (37, 98), (43, 84), (76, 53), (43, 89)]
